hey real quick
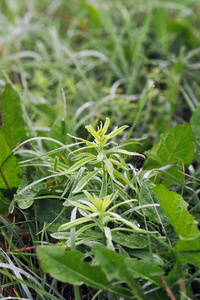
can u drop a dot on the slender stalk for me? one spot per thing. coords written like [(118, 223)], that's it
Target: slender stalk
[(142, 103), (73, 247)]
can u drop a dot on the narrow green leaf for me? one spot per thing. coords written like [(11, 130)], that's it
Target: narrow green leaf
[(195, 123), (125, 180), (76, 181), (175, 209), (93, 132), (121, 203), (80, 139), (78, 204), (84, 148), (104, 186), (68, 266), (39, 291), (116, 162), (117, 131), (110, 168), (134, 227), (105, 127), (122, 151), (89, 197), (13, 128), (108, 236), (84, 181), (78, 165), (76, 222)]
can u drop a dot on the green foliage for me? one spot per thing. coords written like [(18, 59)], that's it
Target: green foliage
[(147, 196), (115, 266), (27, 198), (68, 266), (174, 148), (133, 240), (189, 250), (195, 123), (98, 210), (13, 128), (9, 170), (175, 209)]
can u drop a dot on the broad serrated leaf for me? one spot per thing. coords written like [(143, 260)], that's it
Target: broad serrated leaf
[(144, 269), (132, 241), (146, 255), (49, 209), (175, 147), (68, 266), (115, 266), (195, 123), (175, 209), (147, 196), (12, 128), (190, 249), (5, 151), (4, 202), (9, 170)]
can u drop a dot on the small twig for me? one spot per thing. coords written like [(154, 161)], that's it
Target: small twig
[(24, 249), (166, 287)]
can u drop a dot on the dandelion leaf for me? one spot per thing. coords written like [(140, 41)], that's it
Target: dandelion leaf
[(12, 129)]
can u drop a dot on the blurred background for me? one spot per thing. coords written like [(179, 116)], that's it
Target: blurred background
[(136, 62)]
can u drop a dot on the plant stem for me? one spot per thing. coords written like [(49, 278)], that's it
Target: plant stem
[(73, 247), (77, 292)]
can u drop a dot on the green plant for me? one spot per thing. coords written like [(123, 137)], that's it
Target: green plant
[(135, 231), (96, 213)]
